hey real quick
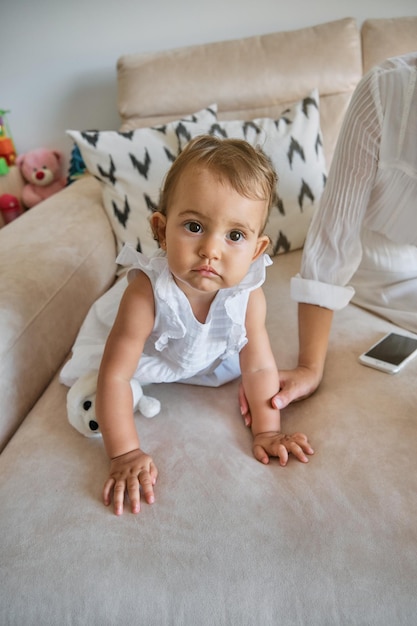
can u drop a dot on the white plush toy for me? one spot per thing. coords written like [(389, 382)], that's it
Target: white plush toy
[(81, 404)]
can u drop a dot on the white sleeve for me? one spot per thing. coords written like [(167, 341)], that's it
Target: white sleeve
[(333, 251), (323, 294)]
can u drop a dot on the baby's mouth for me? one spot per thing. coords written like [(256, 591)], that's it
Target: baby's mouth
[(206, 270)]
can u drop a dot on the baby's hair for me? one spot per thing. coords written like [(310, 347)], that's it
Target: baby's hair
[(247, 169)]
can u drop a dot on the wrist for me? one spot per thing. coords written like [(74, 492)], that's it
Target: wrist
[(262, 433), (312, 364), (118, 444), (125, 454), (257, 431), (315, 367)]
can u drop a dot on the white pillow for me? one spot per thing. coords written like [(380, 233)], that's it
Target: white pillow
[(131, 167), (294, 144)]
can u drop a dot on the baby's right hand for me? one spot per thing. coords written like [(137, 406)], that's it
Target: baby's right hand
[(128, 472)]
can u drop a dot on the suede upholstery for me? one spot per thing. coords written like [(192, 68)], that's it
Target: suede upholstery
[(228, 541)]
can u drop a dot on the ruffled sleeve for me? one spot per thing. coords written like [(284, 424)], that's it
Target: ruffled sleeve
[(236, 303), (134, 260), (256, 274)]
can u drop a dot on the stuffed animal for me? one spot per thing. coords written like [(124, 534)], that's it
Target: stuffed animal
[(41, 169), (81, 404)]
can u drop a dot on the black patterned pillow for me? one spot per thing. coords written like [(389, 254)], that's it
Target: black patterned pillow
[(293, 142), (131, 167)]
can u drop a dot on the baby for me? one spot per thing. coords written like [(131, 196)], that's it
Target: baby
[(195, 312)]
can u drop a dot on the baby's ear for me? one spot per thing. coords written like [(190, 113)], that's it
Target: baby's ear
[(261, 246), (158, 224)]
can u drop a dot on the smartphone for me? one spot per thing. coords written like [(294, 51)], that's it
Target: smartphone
[(390, 353)]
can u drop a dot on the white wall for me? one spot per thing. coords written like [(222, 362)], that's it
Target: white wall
[(58, 58)]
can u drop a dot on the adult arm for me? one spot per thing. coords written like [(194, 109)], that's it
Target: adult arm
[(314, 325), (333, 249)]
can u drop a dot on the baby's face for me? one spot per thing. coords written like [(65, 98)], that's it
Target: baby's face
[(212, 233)]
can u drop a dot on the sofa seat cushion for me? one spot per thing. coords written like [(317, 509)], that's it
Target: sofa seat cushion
[(212, 548)]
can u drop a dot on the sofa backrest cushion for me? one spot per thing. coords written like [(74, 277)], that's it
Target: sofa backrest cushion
[(248, 78), (384, 38)]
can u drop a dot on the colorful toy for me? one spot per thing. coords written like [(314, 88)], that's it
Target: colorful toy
[(4, 168), (7, 149), (41, 169), (10, 207)]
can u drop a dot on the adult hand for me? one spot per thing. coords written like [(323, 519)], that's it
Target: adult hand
[(295, 385)]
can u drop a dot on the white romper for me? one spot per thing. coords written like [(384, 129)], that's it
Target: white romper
[(179, 348)]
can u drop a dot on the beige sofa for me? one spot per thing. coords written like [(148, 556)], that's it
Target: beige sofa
[(228, 541)]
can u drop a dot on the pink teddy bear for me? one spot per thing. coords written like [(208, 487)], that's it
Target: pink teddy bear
[(41, 170)]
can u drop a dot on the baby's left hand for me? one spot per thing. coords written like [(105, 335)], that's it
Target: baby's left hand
[(275, 443)]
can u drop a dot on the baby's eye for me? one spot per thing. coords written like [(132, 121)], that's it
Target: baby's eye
[(236, 235), (193, 227)]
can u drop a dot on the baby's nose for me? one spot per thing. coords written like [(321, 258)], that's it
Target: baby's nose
[(210, 248)]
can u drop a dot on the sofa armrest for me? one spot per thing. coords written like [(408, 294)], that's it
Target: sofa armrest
[(55, 261)]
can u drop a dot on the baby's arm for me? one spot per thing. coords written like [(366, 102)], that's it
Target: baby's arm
[(130, 467), (260, 379)]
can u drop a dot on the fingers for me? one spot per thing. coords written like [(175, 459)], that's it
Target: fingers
[(244, 406), (247, 418), (298, 446), (153, 472), (146, 483), (280, 401), (275, 450), (118, 497), (302, 443), (131, 486), (281, 446), (297, 451), (284, 397), (295, 385), (260, 454), (107, 489), (280, 451)]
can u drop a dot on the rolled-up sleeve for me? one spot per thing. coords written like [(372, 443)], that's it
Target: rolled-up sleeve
[(329, 296)]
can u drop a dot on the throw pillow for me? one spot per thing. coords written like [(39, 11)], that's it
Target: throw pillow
[(293, 142), (131, 167)]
